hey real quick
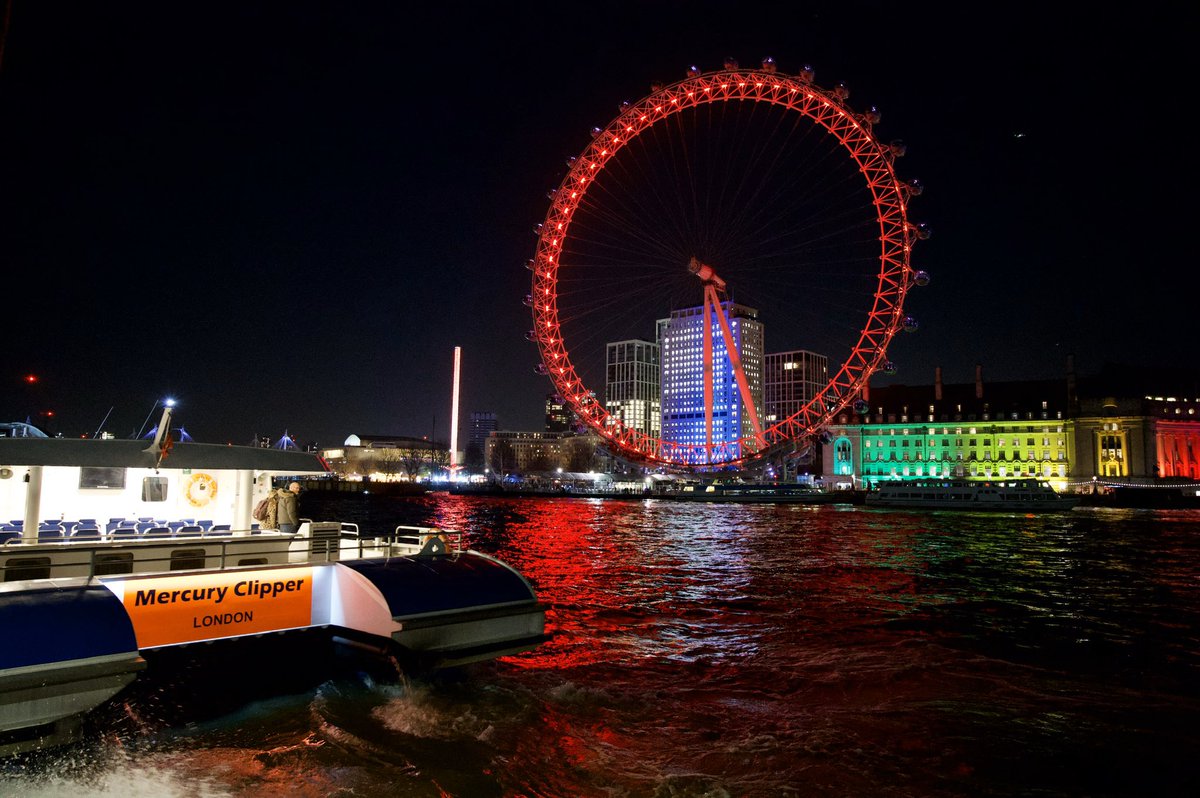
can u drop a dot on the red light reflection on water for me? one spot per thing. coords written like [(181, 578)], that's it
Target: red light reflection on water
[(658, 581)]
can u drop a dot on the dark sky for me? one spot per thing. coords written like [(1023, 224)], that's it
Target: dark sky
[(287, 214)]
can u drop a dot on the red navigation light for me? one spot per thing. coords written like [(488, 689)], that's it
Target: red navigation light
[(31, 378)]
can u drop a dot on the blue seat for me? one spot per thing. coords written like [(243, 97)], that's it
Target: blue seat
[(9, 534), (124, 532), (158, 532), (218, 531), (205, 524), (48, 535), (144, 526), (176, 525), (82, 532), (190, 529)]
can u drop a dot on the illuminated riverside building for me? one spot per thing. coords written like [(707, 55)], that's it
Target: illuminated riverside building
[(1126, 435), (481, 424), (959, 431), (387, 458), (682, 349), (790, 381), (632, 385), (1071, 432), (520, 453), (558, 416)]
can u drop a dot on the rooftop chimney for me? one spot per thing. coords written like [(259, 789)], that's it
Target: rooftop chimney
[(978, 381), (937, 383)]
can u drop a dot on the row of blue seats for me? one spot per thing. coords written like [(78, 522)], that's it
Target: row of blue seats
[(113, 523), (83, 533)]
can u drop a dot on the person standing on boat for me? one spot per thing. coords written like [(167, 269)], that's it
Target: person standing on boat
[(287, 515)]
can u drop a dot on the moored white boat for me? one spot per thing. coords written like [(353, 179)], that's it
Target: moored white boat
[(113, 550), (756, 493), (1014, 495)]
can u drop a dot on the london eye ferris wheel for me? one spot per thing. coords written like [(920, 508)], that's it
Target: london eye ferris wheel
[(732, 213)]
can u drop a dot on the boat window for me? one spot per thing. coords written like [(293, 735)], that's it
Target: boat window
[(187, 559), (103, 478), (18, 568), (154, 489), (117, 562), (253, 561)]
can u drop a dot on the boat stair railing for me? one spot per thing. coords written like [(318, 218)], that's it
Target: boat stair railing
[(430, 540)]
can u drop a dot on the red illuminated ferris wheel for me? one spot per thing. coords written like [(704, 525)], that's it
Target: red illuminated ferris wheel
[(738, 195)]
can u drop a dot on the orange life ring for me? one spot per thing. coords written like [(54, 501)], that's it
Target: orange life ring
[(200, 490)]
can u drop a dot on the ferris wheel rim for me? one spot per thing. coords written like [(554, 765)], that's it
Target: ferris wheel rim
[(854, 133)]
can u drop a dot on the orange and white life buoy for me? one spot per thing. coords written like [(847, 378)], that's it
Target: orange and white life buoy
[(200, 489)]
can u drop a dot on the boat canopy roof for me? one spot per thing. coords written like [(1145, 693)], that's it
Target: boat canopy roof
[(136, 454)]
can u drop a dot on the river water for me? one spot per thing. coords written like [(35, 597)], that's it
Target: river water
[(732, 650)]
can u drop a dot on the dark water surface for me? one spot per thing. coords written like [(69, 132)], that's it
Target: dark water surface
[(732, 650)]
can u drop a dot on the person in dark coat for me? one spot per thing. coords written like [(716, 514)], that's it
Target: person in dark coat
[(287, 515)]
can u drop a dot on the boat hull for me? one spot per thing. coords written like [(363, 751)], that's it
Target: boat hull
[(85, 640), (812, 497), (71, 649), (974, 506)]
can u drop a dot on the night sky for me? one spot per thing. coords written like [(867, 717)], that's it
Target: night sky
[(286, 215)]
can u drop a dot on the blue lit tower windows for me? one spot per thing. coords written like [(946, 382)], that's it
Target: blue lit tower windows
[(683, 406)]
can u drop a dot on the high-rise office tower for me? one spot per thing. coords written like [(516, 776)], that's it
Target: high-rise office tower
[(632, 385), (790, 381), (684, 416), (558, 416)]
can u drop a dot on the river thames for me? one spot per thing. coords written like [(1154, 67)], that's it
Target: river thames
[(738, 650)]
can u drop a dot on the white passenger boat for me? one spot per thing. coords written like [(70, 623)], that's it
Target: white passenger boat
[(112, 550), (1013, 495), (756, 493)]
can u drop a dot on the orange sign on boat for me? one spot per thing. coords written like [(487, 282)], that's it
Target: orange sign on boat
[(190, 607)]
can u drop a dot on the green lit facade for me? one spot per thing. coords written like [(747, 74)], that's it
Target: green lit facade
[(980, 449), (1114, 428)]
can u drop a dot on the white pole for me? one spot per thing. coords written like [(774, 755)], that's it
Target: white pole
[(243, 498), (33, 504), (454, 413)]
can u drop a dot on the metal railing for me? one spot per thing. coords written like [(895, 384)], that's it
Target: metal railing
[(322, 542)]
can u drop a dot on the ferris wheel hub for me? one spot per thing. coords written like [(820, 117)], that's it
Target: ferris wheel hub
[(706, 274)]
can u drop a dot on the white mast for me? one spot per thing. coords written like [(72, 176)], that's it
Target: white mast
[(454, 413)]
